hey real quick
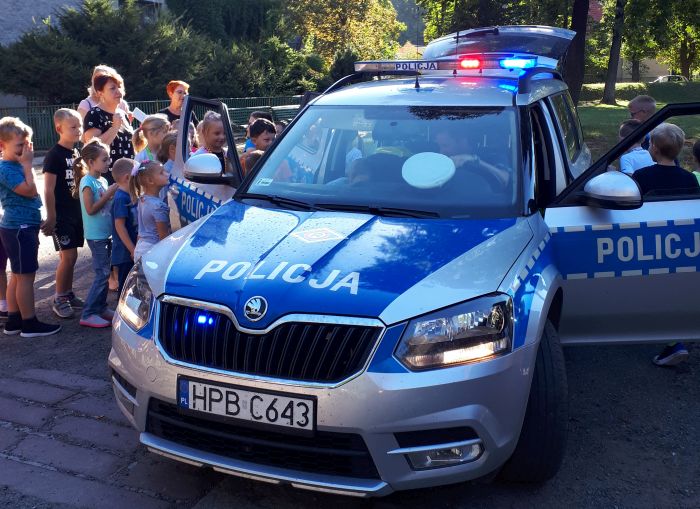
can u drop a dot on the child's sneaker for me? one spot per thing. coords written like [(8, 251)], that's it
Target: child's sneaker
[(61, 306), (13, 325), (76, 302), (95, 321), (107, 314), (33, 328), (671, 355)]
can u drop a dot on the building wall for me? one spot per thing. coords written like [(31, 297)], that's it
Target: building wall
[(650, 70), (18, 16)]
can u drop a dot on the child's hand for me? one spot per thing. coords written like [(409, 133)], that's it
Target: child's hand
[(112, 189), (49, 226), (27, 157)]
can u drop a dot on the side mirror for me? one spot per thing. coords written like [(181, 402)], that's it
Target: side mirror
[(612, 190), (206, 169)]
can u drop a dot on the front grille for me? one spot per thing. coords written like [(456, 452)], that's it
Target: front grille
[(310, 352), (324, 453)]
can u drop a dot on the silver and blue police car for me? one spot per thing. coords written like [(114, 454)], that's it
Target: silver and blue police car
[(382, 303)]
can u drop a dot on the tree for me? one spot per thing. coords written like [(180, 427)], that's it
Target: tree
[(54, 61), (680, 43), (611, 77), (369, 27), (574, 65)]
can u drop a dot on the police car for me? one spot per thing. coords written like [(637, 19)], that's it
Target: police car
[(382, 303)]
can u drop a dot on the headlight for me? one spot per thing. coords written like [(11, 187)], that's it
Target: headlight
[(136, 299), (472, 331)]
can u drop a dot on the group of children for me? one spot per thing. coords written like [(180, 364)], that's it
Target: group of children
[(120, 222)]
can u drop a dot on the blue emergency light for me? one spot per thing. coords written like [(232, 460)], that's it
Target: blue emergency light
[(518, 63)]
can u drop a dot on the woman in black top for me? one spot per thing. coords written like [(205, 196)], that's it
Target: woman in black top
[(177, 90), (107, 122)]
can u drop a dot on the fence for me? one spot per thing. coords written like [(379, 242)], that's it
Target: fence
[(40, 118)]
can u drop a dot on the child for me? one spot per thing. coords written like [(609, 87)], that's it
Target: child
[(213, 137), (262, 134), (249, 159), (249, 145), (636, 157), (97, 222), (153, 213), (280, 126), (696, 156), (124, 220), (64, 220), (19, 228), (148, 137), (166, 154), (664, 177)]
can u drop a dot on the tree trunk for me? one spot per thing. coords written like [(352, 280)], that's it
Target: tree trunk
[(685, 57), (574, 65), (636, 73), (614, 60)]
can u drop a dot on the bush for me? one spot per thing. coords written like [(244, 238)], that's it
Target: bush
[(54, 61), (662, 92)]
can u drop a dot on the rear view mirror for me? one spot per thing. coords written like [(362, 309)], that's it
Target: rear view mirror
[(612, 190)]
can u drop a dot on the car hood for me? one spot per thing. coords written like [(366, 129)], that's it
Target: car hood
[(336, 263)]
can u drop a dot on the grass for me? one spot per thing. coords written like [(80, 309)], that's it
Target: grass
[(601, 122)]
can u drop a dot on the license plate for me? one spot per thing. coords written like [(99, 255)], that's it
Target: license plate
[(253, 406)]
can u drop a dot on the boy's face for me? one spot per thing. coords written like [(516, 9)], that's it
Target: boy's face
[(70, 130), (263, 140), (12, 148)]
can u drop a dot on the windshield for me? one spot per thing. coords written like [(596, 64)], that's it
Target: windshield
[(434, 161)]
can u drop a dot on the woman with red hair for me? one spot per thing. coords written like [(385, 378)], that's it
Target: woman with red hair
[(177, 90)]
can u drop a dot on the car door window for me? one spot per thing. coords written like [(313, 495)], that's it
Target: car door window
[(569, 129)]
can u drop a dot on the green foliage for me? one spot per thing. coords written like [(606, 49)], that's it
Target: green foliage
[(410, 14), (662, 92), (228, 20), (54, 62), (369, 27)]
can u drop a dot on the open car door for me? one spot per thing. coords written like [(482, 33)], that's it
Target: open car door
[(194, 200), (631, 270)]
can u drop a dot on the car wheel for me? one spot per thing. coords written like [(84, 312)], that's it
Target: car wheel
[(542, 441)]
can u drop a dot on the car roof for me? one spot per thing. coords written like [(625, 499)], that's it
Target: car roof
[(441, 91)]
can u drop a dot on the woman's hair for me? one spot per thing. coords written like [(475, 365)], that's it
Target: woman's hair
[(91, 151), (260, 126), (100, 82), (150, 123), (136, 183), (102, 69), (172, 85), (170, 140)]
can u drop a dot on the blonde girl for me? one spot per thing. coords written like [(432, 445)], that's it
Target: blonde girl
[(145, 186), (148, 137), (95, 197), (213, 137)]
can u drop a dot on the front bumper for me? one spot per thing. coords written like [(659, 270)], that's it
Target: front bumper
[(488, 397)]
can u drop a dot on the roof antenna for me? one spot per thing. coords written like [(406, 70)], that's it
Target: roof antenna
[(417, 85)]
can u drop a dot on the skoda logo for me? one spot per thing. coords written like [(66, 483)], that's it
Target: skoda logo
[(255, 308)]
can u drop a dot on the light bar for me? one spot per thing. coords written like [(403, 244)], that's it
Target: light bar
[(476, 62), (518, 63)]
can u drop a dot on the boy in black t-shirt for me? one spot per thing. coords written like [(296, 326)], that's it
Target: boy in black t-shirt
[(665, 178), (63, 217)]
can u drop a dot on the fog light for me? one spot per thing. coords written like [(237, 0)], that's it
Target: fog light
[(450, 456)]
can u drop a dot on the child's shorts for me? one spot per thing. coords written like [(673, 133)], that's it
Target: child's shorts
[(3, 257), (22, 248), (68, 234)]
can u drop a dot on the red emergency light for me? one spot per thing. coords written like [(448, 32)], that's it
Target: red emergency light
[(469, 63)]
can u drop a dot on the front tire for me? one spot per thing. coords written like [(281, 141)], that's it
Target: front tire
[(542, 442)]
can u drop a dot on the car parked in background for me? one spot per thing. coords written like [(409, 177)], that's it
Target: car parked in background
[(670, 78)]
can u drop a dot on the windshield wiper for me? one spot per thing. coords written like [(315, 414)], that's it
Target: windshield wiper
[(279, 200), (377, 210)]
